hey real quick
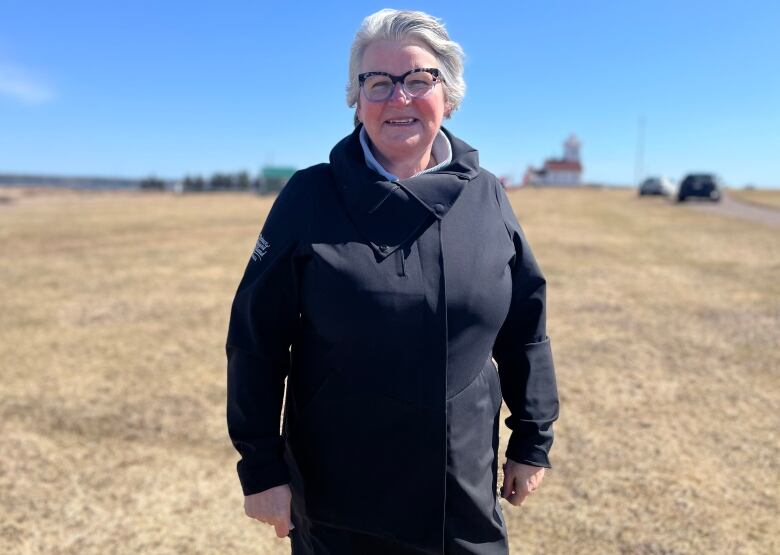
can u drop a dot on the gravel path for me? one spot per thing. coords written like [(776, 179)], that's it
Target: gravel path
[(732, 208)]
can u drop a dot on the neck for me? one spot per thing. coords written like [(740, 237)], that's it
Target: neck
[(406, 167)]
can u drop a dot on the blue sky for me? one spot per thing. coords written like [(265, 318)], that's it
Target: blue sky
[(168, 88)]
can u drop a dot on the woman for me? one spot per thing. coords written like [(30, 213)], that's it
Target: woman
[(381, 286)]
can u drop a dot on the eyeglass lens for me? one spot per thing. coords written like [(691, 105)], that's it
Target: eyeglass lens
[(380, 87)]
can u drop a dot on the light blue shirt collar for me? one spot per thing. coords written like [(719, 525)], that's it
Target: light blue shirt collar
[(441, 150)]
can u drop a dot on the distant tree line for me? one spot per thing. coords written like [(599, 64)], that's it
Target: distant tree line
[(152, 183), (70, 182), (268, 181), (240, 181)]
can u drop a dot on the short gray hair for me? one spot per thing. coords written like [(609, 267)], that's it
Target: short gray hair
[(396, 25)]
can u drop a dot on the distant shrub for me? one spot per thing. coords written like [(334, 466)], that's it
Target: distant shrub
[(152, 184)]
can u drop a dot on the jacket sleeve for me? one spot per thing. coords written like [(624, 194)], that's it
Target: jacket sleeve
[(523, 355), (263, 320)]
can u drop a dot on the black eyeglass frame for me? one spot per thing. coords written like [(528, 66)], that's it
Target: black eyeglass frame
[(395, 79)]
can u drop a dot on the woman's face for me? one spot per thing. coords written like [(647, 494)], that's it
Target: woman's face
[(401, 128)]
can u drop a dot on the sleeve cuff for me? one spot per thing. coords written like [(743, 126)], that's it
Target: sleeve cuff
[(256, 479), (528, 451)]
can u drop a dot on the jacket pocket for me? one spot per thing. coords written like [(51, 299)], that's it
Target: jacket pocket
[(400, 262), (491, 374)]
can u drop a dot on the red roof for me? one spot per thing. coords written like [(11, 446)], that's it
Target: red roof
[(562, 165)]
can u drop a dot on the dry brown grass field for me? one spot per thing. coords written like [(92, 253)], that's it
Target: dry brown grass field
[(665, 324), (762, 197)]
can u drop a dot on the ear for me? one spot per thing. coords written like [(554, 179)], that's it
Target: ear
[(448, 109), (358, 117)]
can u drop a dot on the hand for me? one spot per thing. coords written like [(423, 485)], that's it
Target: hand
[(519, 481), (271, 506)]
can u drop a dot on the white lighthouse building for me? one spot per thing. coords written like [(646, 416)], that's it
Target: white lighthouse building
[(565, 171)]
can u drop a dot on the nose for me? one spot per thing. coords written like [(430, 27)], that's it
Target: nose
[(399, 96)]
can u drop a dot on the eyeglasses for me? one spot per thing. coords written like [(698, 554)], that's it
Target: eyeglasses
[(378, 86)]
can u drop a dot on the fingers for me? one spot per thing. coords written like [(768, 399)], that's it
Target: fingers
[(514, 489), (282, 524), (517, 497), (283, 529), (535, 480), (272, 507), (506, 486), (520, 481)]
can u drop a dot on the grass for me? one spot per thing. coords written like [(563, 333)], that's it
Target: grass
[(763, 197), (664, 322)]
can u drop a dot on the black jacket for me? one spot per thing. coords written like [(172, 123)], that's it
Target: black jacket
[(383, 303)]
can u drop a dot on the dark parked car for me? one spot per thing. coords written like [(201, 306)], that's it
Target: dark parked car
[(704, 185)]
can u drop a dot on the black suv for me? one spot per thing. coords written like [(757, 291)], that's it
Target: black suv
[(704, 185)]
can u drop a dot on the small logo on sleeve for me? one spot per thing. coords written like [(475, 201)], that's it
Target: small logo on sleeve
[(261, 247)]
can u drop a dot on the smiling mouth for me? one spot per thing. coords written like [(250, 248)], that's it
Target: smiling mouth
[(400, 122)]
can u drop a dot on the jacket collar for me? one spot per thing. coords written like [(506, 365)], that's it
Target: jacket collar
[(440, 150), (389, 213)]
